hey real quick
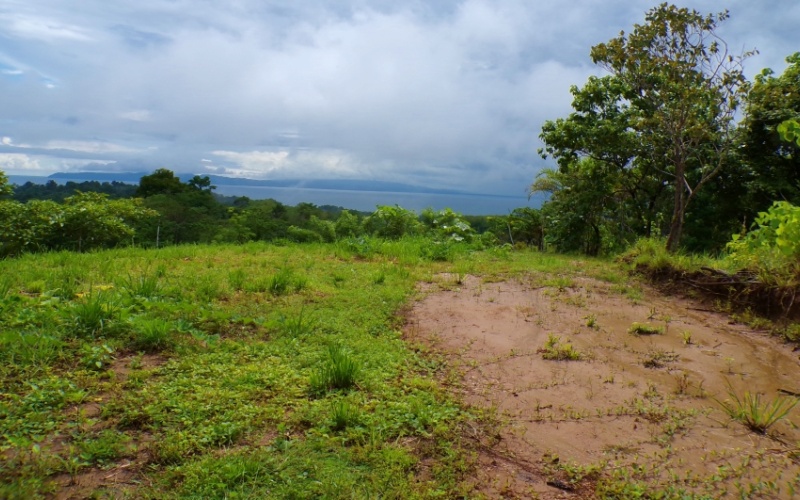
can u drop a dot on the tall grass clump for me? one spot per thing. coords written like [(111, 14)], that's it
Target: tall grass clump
[(6, 284), (285, 281), (338, 371), (237, 279), (651, 254), (92, 315), (756, 415), (30, 348), (297, 325), (343, 415), (151, 335), (146, 286)]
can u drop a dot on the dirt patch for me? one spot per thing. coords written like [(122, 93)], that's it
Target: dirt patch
[(634, 408)]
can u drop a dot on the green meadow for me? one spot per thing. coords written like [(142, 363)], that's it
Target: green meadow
[(246, 371)]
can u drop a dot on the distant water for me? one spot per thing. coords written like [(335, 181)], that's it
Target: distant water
[(366, 201)]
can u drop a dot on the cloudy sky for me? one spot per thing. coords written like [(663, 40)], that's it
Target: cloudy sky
[(439, 93)]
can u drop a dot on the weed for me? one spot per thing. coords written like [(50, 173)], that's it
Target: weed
[(682, 383), (103, 448), (591, 322), (645, 329), (756, 415), (555, 350), (96, 357), (686, 336), (658, 358)]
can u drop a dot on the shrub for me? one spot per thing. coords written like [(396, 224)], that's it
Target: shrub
[(773, 244), (392, 222)]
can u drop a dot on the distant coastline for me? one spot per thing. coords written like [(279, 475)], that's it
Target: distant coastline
[(355, 195)]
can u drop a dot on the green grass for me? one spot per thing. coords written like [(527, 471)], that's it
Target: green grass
[(555, 349), (233, 369), (645, 329), (252, 371), (755, 414)]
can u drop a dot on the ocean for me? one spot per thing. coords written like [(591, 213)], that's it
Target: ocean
[(366, 201)]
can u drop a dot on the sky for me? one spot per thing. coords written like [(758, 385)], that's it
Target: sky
[(447, 94)]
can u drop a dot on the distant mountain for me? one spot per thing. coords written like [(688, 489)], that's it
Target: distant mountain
[(219, 180)]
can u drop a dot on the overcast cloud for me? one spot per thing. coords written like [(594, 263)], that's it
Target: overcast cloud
[(446, 94)]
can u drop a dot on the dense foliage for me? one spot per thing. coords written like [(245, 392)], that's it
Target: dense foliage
[(86, 221), (59, 192), (651, 149), (168, 211), (644, 140)]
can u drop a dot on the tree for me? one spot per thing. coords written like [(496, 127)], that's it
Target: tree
[(201, 183), (684, 87), (162, 181), (604, 175), (774, 163), (5, 187)]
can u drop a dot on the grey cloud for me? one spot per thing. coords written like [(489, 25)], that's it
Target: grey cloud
[(451, 92)]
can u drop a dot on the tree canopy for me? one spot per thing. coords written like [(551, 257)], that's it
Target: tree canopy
[(660, 125)]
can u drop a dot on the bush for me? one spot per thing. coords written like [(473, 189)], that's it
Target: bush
[(392, 222), (773, 244)]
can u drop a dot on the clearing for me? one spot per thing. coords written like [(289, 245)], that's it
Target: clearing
[(608, 390)]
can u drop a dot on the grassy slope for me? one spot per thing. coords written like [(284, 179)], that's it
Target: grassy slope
[(204, 368)]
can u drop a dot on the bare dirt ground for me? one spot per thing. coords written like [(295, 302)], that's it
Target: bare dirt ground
[(635, 411)]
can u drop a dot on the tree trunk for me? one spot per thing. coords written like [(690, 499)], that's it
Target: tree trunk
[(678, 209)]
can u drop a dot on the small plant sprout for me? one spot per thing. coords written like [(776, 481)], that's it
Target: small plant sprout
[(686, 337), (682, 383), (755, 414), (667, 320), (554, 349), (645, 329), (591, 322)]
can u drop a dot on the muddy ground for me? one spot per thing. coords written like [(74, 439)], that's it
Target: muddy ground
[(634, 411)]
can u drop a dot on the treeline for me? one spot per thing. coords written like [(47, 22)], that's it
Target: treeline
[(59, 192), (163, 210)]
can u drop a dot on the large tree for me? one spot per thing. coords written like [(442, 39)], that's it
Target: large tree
[(603, 176), (5, 187), (673, 91), (775, 163)]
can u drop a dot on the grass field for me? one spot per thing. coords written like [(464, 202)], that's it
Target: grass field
[(268, 371), (246, 371)]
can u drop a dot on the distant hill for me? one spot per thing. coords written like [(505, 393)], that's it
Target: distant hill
[(219, 180)]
